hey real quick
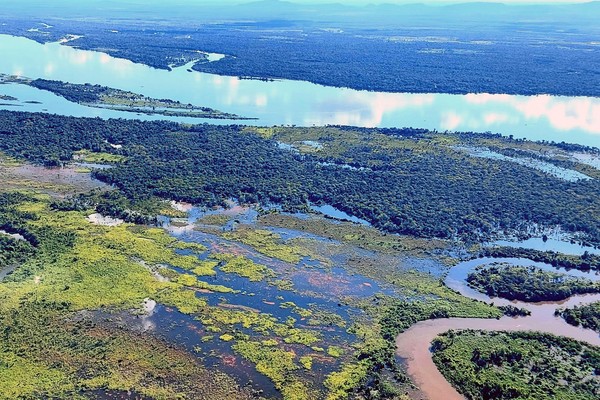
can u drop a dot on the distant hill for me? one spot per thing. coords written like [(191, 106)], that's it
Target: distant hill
[(263, 10)]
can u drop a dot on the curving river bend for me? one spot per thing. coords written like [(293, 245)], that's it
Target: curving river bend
[(413, 344)]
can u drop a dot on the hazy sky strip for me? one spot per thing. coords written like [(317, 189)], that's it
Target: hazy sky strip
[(432, 2)]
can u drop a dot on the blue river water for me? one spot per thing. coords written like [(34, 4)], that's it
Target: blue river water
[(286, 102)]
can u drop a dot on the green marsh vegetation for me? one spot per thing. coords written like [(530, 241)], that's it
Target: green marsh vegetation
[(75, 266), (524, 365), (81, 266), (267, 243), (357, 235), (408, 181), (98, 157)]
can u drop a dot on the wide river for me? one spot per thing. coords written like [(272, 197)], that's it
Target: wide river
[(286, 102)]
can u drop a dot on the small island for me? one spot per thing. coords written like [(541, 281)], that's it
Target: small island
[(530, 284), (121, 100), (98, 96), (587, 316)]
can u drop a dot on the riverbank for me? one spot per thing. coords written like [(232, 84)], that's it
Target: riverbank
[(413, 345)]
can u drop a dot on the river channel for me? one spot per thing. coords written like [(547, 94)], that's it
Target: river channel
[(413, 345), (287, 102)]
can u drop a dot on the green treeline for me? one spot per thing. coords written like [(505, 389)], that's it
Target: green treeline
[(13, 251), (111, 98), (588, 316), (584, 262), (113, 203), (514, 282), (518, 365), (401, 181), (76, 93), (12, 221)]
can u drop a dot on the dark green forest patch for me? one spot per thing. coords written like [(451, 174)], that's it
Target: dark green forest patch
[(523, 365), (515, 282)]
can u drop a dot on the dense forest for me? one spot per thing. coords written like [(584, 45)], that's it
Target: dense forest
[(407, 185), (515, 282), (505, 60), (588, 316), (518, 365)]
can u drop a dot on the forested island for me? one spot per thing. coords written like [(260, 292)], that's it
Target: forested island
[(587, 316), (121, 100), (584, 262), (531, 284), (518, 365)]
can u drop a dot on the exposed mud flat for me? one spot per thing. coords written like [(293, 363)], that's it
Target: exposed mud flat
[(99, 219)]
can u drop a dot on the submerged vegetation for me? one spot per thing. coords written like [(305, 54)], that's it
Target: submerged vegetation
[(523, 365), (514, 282), (266, 242)]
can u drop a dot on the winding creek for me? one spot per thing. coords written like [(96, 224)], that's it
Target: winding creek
[(413, 345)]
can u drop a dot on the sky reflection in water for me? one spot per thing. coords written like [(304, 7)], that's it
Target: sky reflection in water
[(558, 118)]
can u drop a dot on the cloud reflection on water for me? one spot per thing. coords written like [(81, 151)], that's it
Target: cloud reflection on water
[(469, 112), (563, 113), (364, 108), (451, 120), (301, 103)]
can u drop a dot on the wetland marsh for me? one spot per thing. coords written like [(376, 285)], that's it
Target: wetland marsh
[(145, 255)]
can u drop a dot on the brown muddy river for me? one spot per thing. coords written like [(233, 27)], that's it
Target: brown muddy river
[(413, 345)]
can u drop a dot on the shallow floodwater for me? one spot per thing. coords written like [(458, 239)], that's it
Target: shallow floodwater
[(549, 168), (334, 213), (315, 287), (558, 118)]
